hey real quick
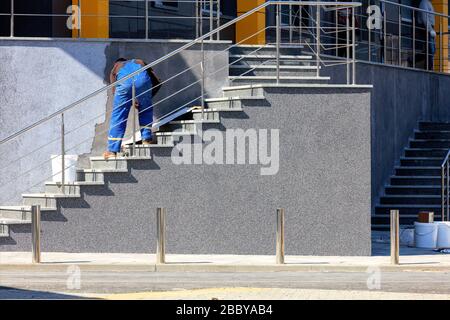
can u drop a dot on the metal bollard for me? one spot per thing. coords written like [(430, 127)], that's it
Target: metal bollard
[(36, 233), (395, 238), (160, 235), (280, 236)]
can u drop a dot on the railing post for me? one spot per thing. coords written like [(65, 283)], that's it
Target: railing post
[(202, 64), (441, 45), (347, 27), (442, 192), (448, 191), (218, 18), (318, 41), (336, 40), (427, 45), (63, 155), (36, 233), (414, 37), (197, 33), (146, 20), (369, 37), (399, 36), (395, 239), (384, 34), (290, 24), (133, 106), (211, 18), (12, 19), (79, 19), (280, 237), (278, 35), (353, 47), (161, 235)]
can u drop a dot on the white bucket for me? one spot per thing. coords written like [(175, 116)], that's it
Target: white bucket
[(70, 174), (425, 235), (443, 238), (407, 237)]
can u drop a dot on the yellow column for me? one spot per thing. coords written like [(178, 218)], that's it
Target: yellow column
[(252, 26), (94, 19), (441, 24)]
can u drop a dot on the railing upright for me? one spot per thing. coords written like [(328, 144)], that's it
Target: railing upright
[(278, 33), (12, 19), (63, 155), (347, 47), (353, 47), (318, 41)]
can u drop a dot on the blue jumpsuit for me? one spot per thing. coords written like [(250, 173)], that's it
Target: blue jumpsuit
[(122, 105)]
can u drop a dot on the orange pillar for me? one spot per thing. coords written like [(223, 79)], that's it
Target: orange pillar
[(441, 25), (251, 29), (94, 19)]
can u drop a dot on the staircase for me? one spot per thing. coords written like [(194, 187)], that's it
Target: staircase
[(416, 184), (249, 67)]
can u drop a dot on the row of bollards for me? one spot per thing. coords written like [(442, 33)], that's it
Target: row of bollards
[(161, 235)]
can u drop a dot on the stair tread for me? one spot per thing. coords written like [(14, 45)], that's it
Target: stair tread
[(411, 196), (385, 215), (413, 186), (257, 66), (218, 110), (281, 77), (221, 99), (408, 206), (24, 208), (270, 56), (49, 195), (415, 177), (76, 183), (13, 221), (100, 158), (421, 158)]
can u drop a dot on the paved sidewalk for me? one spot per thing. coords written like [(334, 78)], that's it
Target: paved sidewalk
[(225, 263)]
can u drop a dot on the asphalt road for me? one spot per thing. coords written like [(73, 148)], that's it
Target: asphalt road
[(73, 282)]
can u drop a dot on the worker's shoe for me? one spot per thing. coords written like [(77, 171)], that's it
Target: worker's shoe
[(108, 155)]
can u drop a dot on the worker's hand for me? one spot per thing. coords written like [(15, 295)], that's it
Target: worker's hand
[(136, 104)]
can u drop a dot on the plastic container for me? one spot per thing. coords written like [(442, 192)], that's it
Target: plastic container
[(70, 174), (425, 235), (407, 237), (443, 238)]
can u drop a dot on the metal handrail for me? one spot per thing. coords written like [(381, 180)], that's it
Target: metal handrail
[(445, 184), (171, 54)]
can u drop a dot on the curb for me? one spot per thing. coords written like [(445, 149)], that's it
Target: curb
[(175, 267)]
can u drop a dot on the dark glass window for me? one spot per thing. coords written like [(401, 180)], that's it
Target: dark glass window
[(127, 19)]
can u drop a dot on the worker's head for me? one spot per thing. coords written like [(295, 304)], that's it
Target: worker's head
[(120, 60)]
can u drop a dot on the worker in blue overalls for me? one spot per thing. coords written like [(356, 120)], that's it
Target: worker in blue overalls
[(123, 101)]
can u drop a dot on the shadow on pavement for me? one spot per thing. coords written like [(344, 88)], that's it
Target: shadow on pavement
[(7, 293)]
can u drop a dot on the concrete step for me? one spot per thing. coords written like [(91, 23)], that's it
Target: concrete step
[(271, 70), (426, 152), (273, 79), (424, 135), (187, 125), (420, 162), (434, 126), (69, 188), (411, 199), (6, 223), (47, 200), (417, 171), (441, 143), (413, 190), (271, 59), (19, 212), (233, 102), (416, 180), (145, 150), (118, 163), (245, 90), (266, 50), (212, 113), (96, 175), (407, 208)]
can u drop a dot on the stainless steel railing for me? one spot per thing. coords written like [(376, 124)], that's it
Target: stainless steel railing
[(160, 12), (445, 190), (315, 48)]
